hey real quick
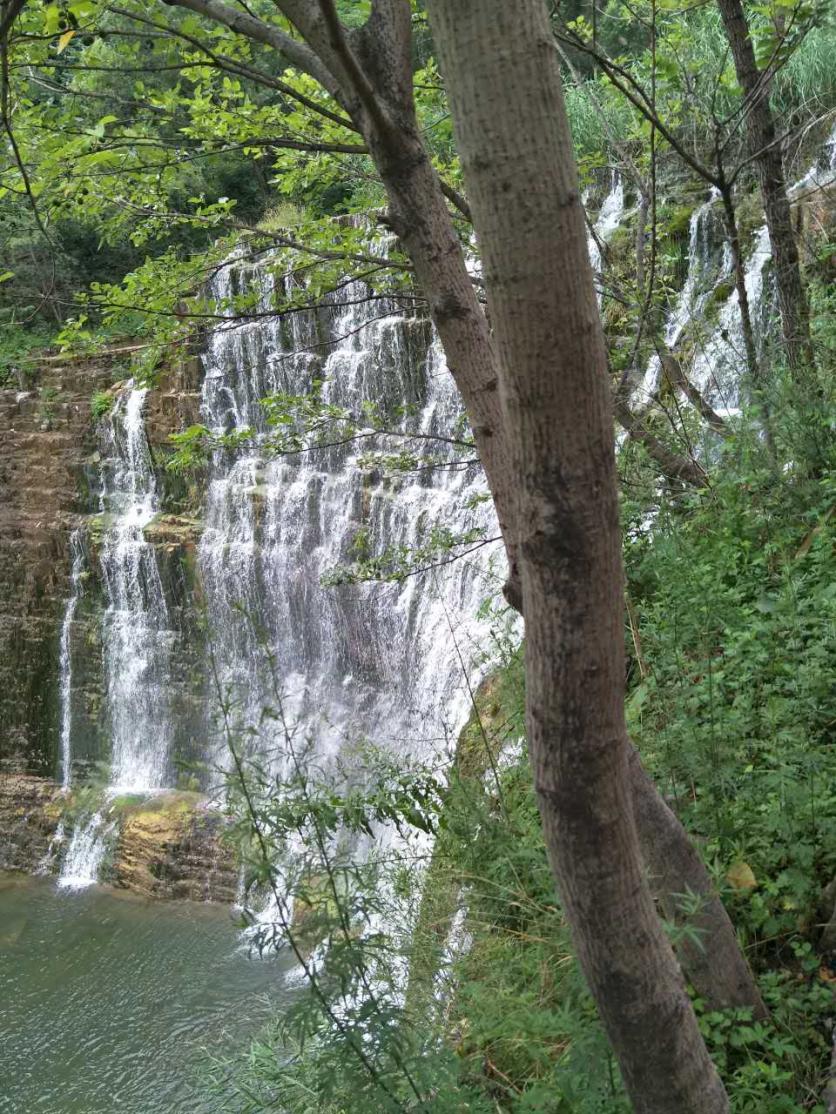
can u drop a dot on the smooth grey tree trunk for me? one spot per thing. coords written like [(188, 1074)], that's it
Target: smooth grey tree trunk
[(503, 79)]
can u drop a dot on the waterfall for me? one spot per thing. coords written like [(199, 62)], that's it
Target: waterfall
[(84, 856), (612, 209), (607, 221), (389, 663), (136, 639), (822, 172), (720, 357), (720, 361), (65, 658), (392, 664), (137, 635), (702, 276)]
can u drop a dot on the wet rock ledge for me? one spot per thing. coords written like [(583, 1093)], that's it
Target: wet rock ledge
[(169, 846)]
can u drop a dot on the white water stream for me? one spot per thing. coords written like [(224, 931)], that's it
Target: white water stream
[(609, 218), (137, 635), (85, 853), (719, 357), (136, 639), (704, 272), (65, 658)]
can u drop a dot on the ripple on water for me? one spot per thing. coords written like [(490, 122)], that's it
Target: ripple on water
[(113, 1003)]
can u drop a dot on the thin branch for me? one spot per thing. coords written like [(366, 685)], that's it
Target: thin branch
[(626, 84), (232, 65), (257, 30)]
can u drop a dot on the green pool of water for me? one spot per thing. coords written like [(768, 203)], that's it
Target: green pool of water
[(112, 1003)]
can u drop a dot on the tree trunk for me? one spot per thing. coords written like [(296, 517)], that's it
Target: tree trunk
[(766, 151), (715, 967), (739, 271), (680, 381), (756, 382), (672, 465), (503, 78)]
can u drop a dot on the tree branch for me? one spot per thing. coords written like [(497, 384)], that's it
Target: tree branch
[(456, 198), (672, 464), (677, 378), (258, 30), (11, 10), (229, 65), (630, 88), (359, 81)]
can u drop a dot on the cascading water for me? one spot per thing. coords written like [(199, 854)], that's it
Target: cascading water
[(720, 361), (137, 634), (607, 221), (702, 275), (65, 658), (822, 173), (354, 662), (391, 663), (85, 853)]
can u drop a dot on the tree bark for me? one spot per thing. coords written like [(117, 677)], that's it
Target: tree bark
[(739, 271), (672, 464), (715, 967), (503, 79), (765, 149)]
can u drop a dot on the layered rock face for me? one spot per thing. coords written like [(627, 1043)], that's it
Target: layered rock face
[(29, 815), (49, 484), (46, 441), (175, 851), (171, 847)]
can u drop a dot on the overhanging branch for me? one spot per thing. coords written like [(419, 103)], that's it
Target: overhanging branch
[(258, 30)]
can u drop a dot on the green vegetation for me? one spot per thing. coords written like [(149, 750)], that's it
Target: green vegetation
[(737, 734), (101, 404), (18, 345)]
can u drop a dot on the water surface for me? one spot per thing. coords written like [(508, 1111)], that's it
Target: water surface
[(113, 1003)]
